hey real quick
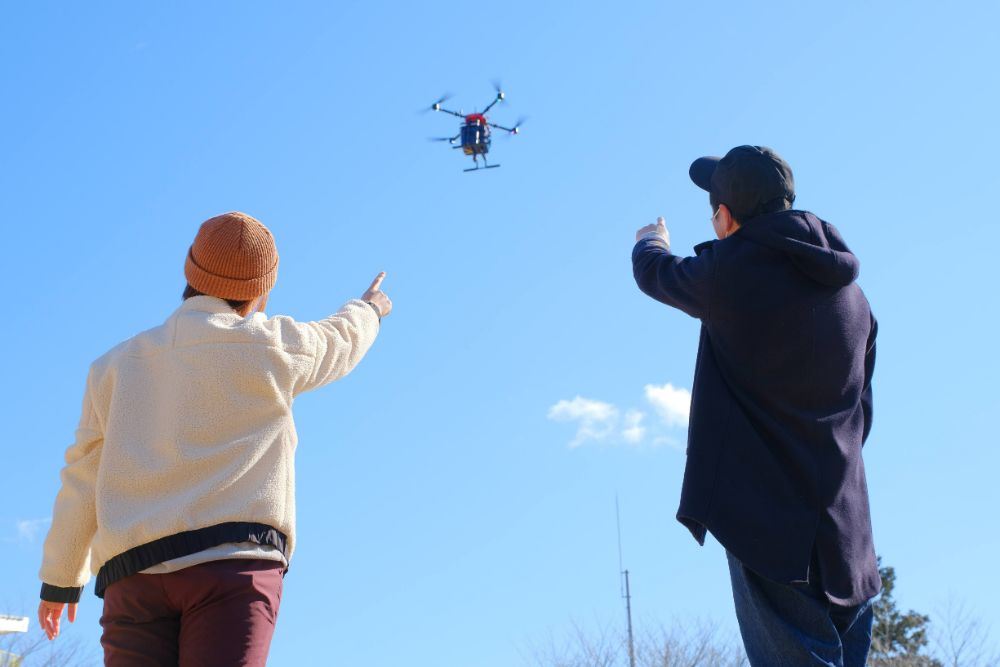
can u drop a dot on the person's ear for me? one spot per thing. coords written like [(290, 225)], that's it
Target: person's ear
[(728, 222)]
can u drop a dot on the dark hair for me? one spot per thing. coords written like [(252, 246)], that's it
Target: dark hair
[(233, 303), (773, 206)]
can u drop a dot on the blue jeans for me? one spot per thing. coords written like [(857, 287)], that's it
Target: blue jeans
[(791, 625)]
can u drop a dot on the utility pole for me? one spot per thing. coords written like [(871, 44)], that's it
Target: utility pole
[(626, 592)]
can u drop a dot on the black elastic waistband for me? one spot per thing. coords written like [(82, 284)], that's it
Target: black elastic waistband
[(189, 542)]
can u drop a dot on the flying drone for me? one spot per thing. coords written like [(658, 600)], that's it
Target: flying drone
[(474, 134)]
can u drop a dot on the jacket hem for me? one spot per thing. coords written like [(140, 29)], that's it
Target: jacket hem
[(189, 542)]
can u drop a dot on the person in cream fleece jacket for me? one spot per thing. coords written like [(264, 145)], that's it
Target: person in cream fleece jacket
[(179, 490)]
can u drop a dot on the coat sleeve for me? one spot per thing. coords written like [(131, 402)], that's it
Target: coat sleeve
[(866, 393), (338, 343), (682, 282), (66, 554)]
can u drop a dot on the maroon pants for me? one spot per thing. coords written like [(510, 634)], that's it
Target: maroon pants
[(219, 613)]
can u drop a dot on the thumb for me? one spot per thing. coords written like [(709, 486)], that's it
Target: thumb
[(71, 613), (660, 222)]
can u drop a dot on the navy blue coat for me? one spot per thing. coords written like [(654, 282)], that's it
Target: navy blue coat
[(781, 403)]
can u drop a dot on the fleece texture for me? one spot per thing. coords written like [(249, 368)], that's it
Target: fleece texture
[(189, 425)]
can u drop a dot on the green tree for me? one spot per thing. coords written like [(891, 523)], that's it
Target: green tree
[(898, 639)]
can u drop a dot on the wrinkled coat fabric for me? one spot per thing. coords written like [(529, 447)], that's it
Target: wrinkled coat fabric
[(781, 400)]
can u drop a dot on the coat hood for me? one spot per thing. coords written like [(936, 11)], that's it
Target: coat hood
[(814, 246)]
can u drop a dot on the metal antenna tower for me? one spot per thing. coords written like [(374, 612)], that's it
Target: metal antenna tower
[(624, 588)]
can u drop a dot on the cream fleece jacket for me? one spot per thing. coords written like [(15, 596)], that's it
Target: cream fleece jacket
[(189, 425)]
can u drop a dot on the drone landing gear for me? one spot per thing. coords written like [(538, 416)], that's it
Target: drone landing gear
[(475, 161), (477, 167)]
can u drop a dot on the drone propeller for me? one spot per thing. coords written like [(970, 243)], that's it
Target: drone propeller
[(437, 105), (499, 98), (511, 130), (448, 139)]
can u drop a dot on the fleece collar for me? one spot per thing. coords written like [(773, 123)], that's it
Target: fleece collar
[(206, 304)]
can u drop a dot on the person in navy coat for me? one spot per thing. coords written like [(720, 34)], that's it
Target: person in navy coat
[(781, 408)]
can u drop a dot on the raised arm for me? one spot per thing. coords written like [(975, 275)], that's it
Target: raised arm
[(681, 282), (340, 341)]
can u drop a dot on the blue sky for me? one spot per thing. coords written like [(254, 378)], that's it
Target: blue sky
[(446, 515)]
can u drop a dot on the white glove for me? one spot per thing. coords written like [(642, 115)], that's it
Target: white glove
[(657, 230)]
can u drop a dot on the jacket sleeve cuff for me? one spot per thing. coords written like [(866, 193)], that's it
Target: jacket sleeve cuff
[(650, 240), (375, 308), (52, 593), (655, 236)]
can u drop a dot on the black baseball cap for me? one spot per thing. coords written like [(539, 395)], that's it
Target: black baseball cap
[(750, 180)]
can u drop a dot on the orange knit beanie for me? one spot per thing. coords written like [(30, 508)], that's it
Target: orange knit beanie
[(233, 257)]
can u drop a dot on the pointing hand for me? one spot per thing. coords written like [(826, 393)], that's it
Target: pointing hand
[(660, 229), (375, 296)]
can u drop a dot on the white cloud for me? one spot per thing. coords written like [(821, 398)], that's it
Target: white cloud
[(633, 431), (673, 404), (666, 440), (597, 419), (28, 529)]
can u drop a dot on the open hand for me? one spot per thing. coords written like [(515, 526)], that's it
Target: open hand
[(660, 229), (375, 296), (49, 615)]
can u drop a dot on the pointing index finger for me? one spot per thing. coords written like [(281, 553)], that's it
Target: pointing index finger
[(377, 283)]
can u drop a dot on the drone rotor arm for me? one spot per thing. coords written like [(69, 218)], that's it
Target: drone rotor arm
[(500, 96), (511, 130), (448, 111), (450, 140), (496, 99)]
